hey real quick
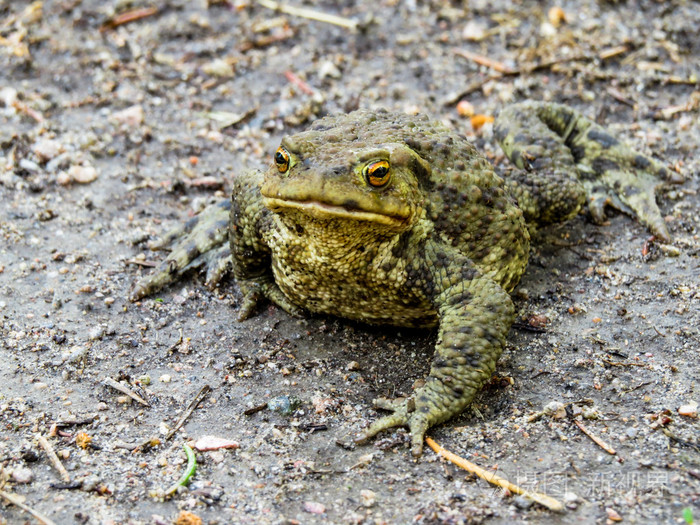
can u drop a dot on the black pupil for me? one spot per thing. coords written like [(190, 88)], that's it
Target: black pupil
[(379, 171), (280, 158)]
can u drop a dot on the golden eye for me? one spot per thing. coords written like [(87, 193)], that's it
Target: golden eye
[(377, 173), (282, 159)]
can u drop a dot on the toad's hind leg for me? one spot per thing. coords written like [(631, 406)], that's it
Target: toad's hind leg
[(201, 241), (567, 159)]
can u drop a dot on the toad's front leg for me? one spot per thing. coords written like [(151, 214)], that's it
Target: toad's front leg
[(475, 314)]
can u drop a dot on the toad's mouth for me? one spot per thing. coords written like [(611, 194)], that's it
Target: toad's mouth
[(322, 210)]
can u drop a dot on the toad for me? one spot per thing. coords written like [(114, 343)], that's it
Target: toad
[(389, 218)]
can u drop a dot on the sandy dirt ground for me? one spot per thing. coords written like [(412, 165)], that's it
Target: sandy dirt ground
[(121, 119)]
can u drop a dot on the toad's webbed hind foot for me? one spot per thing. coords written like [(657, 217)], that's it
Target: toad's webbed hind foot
[(568, 160), (201, 241)]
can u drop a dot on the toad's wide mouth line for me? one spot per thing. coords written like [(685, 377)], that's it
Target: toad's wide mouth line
[(322, 210)]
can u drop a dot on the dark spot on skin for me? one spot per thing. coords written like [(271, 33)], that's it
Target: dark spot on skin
[(191, 223), (541, 163), (469, 274), (399, 249), (422, 174), (522, 138), (192, 251), (602, 138), (500, 132), (217, 227), (601, 165), (351, 204), (641, 162), (628, 191), (578, 152), (412, 143), (515, 157), (487, 196)]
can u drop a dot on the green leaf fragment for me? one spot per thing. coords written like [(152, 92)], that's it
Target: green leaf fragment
[(189, 471)]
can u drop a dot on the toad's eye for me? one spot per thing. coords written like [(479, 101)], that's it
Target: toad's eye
[(282, 159), (377, 173)]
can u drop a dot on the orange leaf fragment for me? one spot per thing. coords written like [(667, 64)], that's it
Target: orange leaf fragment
[(479, 120)]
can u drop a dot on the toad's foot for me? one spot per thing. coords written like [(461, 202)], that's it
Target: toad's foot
[(568, 159), (628, 185), (257, 290), (201, 241), (404, 414)]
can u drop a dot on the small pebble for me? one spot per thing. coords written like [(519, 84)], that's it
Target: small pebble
[(206, 443), (29, 165), (689, 410), (555, 409), (465, 108), (669, 250), (556, 16), (218, 68), (474, 31), (314, 507), (82, 174), (571, 500), (22, 475), (47, 149), (522, 502), (283, 405), (613, 514), (368, 498), (130, 117), (328, 69)]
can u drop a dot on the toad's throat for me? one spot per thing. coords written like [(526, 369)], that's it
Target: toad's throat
[(321, 210)]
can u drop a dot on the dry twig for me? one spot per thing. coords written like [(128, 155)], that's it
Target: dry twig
[(602, 444), (310, 14), (188, 411), (15, 500), (124, 390), (542, 499), (298, 82), (129, 16), (53, 458), (485, 61)]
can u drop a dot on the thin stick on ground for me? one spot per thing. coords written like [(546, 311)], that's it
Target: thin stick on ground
[(310, 14), (542, 499), (53, 458), (602, 444), (124, 390), (188, 411), (484, 61), (128, 17), (15, 500)]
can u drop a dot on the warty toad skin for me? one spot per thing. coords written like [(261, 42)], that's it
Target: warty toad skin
[(390, 218)]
